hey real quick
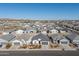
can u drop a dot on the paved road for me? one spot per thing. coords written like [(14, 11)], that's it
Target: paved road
[(39, 53)]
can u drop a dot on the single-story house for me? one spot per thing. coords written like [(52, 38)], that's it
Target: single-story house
[(55, 38), (77, 28), (16, 42), (25, 38), (71, 36), (54, 31), (64, 42), (30, 31), (63, 31), (40, 39), (50, 27), (27, 25), (5, 32), (44, 32), (19, 32), (76, 40), (59, 39), (6, 38), (3, 42)]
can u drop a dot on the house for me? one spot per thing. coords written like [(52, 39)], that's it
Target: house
[(25, 38), (38, 23), (60, 40), (44, 32), (6, 39), (54, 31), (64, 41), (50, 27), (55, 38), (30, 31), (19, 32), (16, 42), (71, 36), (27, 25), (63, 30), (3, 42), (5, 32), (76, 40), (40, 39)]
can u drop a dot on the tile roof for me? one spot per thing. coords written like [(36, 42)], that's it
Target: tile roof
[(25, 36), (56, 37), (41, 36), (8, 37), (71, 36)]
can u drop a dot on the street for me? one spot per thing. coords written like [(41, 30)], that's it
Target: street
[(39, 53)]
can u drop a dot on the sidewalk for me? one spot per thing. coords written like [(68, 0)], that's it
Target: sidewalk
[(68, 48), (44, 48), (30, 49)]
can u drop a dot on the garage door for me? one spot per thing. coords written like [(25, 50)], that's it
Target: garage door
[(44, 43)]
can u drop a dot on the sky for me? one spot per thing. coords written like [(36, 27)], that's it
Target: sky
[(40, 11)]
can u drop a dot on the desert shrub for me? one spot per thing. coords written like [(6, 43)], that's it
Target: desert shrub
[(8, 45)]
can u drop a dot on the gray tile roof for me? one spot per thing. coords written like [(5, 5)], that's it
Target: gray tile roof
[(77, 37), (49, 28), (9, 30), (24, 36), (64, 39), (71, 36), (13, 39), (7, 37), (56, 37), (41, 36)]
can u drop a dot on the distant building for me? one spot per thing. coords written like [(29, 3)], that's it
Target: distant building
[(30, 31), (54, 31), (44, 32), (19, 32)]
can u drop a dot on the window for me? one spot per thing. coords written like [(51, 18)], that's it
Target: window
[(16, 43), (44, 43), (64, 42)]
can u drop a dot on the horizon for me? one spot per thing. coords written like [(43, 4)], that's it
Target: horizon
[(40, 11), (38, 19)]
